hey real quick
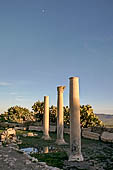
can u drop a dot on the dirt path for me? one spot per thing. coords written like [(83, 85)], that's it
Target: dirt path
[(11, 159)]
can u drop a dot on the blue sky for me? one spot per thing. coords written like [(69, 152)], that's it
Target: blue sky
[(44, 42)]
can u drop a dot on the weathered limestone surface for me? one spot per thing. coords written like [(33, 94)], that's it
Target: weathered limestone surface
[(107, 137), (8, 136), (12, 159), (60, 116), (46, 119), (90, 135), (75, 132)]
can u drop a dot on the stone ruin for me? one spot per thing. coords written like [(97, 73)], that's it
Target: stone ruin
[(75, 131), (9, 136)]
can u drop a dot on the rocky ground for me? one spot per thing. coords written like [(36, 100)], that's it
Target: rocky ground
[(11, 159), (97, 156)]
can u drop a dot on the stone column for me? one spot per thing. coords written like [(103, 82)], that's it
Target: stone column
[(46, 119), (60, 116), (75, 132)]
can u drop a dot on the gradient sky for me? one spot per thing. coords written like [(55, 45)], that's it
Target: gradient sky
[(44, 42)]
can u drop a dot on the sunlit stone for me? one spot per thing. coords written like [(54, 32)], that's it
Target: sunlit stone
[(46, 119), (75, 132), (60, 116)]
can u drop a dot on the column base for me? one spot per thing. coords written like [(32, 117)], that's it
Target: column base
[(77, 157), (61, 142), (46, 137)]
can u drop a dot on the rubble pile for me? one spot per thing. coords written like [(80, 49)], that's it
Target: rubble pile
[(9, 136)]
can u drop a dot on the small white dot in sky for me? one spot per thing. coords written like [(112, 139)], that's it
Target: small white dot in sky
[(43, 10)]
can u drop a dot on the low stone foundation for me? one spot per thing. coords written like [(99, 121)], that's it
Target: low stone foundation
[(100, 130), (36, 128), (40, 128), (90, 135), (97, 133)]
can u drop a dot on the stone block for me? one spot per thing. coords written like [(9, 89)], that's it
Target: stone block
[(86, 129), (67, 130), (107, 137), (20, 128), (30, 134), (90, 135), (52, 128), (36, 128)]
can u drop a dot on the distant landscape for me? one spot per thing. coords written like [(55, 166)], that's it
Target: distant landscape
[(107, 119)]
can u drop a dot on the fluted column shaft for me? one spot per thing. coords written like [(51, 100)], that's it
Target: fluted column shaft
[(75, 132)]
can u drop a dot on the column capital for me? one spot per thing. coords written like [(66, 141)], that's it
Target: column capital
[(73, 78), (45, 97), (61, 88)]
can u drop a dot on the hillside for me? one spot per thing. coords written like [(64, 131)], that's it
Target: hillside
[(106, 119)]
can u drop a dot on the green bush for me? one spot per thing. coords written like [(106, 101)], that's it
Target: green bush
[(87, 117), (18, 114)]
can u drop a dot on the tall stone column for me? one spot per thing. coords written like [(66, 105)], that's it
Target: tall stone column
[(75, 132), (46, 119), (60, 116)]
